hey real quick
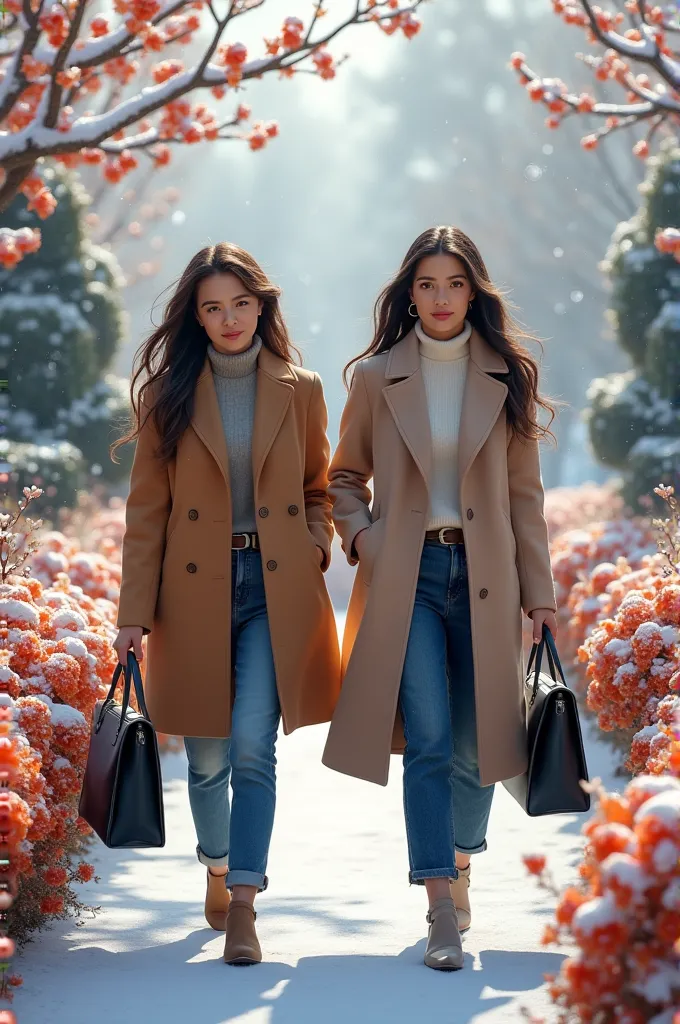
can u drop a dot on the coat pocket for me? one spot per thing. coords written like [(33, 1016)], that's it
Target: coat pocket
[(370, 550), (313, 549), (513, 539)]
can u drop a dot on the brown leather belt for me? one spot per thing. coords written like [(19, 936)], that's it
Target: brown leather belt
[(447, 535), (241, 541)]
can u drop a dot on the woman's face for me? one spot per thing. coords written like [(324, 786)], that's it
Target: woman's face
[(442, 292), (228, 312)]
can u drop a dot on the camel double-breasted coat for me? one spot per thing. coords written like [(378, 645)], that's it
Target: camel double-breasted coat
[(385, 436), (176, 572)]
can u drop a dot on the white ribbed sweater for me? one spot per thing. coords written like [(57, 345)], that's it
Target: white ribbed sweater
[(444, 365)]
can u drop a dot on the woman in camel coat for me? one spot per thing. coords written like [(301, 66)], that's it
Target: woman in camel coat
[(228, 533), (452, 547)]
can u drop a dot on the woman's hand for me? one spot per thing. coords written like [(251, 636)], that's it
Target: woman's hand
[(359, 540), (129, 637), (539, 616)]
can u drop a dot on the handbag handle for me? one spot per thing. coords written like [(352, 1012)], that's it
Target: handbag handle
[(546, 644), (132, 676), (139, 686)]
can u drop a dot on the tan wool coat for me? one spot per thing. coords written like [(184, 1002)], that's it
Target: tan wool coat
[(176, 574), (385, 436)]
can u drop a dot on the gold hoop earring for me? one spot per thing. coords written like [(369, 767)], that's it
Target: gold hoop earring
[(409, 310), (470, 303)]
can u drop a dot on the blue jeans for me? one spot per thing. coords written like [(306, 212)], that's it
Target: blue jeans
[(437, 704), (239, 835)]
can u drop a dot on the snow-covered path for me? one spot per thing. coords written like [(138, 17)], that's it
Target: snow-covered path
[(342, 932)]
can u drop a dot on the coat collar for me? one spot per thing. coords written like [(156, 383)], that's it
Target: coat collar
[(483, 400), (267, 361), (274, 391), (404, 357)]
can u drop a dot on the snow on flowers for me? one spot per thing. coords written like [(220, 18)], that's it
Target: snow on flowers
[(56, 660), (624, 917), (633, 649), (57, 624), (633, 656)]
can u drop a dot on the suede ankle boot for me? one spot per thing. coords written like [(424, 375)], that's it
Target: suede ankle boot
[(217, 900), (460, 894), (241, 947), (444, 949)]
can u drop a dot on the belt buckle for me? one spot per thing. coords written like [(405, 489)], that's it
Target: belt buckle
[(248, 541), (444, 530)]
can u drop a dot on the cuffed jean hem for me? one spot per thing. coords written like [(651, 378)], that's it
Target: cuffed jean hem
[(475, 849), (212, 862), (418, 877), (247, 878)]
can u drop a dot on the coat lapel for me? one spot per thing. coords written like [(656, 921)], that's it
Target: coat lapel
[(482, 400), (274, 394), (207, 421), (407, 401)]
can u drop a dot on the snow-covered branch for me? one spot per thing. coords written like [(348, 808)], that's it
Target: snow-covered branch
[(638, 60), (39, 123)]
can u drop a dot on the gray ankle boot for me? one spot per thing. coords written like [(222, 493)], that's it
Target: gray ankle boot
[(460, 895), (444, 949)]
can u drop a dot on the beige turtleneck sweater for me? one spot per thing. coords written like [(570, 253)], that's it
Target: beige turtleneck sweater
[(444, 366)]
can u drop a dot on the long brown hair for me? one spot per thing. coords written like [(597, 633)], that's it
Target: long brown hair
[(172, 357), (489, 314)]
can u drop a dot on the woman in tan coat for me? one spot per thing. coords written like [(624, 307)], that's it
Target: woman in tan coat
[(228, 533), (452, 546)]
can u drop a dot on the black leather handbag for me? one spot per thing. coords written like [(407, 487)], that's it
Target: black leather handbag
[(557, 760), (122, 794)]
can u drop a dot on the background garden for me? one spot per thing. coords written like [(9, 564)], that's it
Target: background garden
[(549, 132)]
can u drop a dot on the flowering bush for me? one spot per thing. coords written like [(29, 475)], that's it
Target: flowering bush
[(12, 830), (95, 525), (576, 553), (56, 660), (624, 916), (94, 573), (652, 747), (583, 522), (574, 508), (633, 656), (633, 651), (598, 595)]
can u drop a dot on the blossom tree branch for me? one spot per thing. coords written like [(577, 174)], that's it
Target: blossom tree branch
[(60, 63), (640, 59)]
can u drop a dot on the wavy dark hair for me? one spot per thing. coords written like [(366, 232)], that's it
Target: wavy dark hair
[(489, 314), (172, 357)]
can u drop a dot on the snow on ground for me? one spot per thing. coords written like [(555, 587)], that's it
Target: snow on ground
[(342, 932)]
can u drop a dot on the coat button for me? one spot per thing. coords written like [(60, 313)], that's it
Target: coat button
[(293, 510), (263, 512), (483, 593), (193, 514), (470, 514), (191, 567), (271, 565)]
